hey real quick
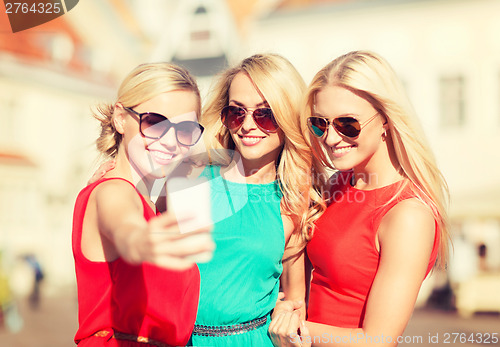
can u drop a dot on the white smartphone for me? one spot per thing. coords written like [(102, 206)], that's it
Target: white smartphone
[(190, 197)]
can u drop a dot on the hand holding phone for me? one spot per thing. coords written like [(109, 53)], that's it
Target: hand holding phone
[(189, 201)]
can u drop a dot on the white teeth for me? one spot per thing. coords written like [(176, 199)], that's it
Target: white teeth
[(248, 139), (341, 150), (162, 156)]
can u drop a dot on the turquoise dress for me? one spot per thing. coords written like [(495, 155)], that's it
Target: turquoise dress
[(241, 282)]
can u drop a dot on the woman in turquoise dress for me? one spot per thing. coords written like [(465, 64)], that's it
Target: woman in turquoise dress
[(252, 115), (260, 191)]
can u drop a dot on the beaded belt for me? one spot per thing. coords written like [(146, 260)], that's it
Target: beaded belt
[(127, 337), (204, 330)]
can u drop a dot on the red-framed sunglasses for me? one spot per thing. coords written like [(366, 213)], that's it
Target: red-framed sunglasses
[(233, 117)]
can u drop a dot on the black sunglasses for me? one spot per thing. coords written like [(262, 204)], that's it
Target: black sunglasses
[(346, 125), (154, 126), (233, 117)]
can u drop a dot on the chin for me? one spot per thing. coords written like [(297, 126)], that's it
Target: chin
[(163, 171), (341, 165), (156, 172), (253, 153), (250, 155)]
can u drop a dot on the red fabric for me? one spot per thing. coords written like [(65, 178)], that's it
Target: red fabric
[(344, 254), (142, 300)]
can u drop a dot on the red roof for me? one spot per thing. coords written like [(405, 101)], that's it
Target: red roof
[(15, 160), (32, 44)]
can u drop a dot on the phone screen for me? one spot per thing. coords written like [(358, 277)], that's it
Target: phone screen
[(190, 197)]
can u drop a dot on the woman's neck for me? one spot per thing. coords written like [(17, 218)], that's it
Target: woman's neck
[(146, 185), (381, 170), (365, 180)]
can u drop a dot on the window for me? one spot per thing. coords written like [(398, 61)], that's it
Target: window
[(451, 89)]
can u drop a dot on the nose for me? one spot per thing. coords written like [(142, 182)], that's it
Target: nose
[(332, 137), (248, 123), (169, 139)]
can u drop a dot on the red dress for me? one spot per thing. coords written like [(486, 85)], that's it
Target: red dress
[(140, 300), (344, 254)]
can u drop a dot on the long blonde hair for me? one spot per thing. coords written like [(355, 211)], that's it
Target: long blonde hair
[(283, 88), (143, 83), (370, 76)]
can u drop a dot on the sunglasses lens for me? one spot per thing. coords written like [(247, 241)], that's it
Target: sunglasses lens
[(232, 116), (188, 133), (154, 125), (264, 118), (347, 126), (317, 126)]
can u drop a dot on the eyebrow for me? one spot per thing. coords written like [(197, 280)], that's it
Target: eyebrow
[(263, 103)]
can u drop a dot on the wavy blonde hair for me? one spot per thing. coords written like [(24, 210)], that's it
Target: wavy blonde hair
[(143, 83), (370, 76), (283, 89)]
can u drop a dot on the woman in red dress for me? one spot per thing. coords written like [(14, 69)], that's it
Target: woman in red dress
[(137, 283), (385, 223)]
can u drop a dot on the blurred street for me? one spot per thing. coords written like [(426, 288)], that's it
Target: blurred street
[(55, 322), (445, 328)]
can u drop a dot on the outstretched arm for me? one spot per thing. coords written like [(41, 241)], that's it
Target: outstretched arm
[(120, 230)]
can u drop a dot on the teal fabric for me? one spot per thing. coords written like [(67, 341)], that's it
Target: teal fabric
[(241, 282)]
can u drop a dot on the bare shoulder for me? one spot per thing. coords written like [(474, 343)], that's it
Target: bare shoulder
[(409, 221), (410, 211), (116, 192)]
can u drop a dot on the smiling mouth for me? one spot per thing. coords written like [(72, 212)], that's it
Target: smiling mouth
[(250, 140), (341, 150), (161, 156)]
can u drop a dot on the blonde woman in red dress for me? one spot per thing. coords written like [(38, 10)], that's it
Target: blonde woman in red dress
[(385, 223), (137, 283)]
